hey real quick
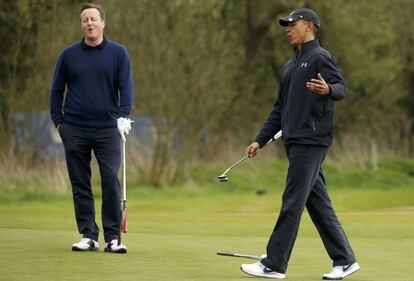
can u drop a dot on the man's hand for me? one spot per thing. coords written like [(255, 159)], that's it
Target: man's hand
[(251, 150), (124, 126), (319, 86)]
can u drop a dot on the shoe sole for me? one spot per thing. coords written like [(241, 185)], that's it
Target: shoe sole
[(261, 276), (91, 249), (339, 278), (120, 251)]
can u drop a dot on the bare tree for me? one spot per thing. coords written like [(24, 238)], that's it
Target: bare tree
[(184, 64)]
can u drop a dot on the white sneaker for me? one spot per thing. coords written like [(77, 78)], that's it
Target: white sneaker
[(113, 247), (86, 244), (259, 270), (341, 271)]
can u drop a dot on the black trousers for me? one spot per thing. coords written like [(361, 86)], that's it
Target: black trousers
[(79, 142), (305, 186)]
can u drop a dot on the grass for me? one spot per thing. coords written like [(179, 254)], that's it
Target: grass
[(262, 173), (174, 235)]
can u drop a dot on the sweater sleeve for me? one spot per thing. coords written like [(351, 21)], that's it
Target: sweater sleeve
[(272, 124), (333, 77), (57, 91), (125, 86)]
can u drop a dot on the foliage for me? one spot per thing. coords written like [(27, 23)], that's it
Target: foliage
[(18, 32), (207, 72), (184, 73)]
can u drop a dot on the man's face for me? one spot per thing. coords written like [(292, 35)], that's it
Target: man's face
[(92, 24), (298, 32)]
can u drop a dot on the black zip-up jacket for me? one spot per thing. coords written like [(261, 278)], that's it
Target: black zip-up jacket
[(304, 116)]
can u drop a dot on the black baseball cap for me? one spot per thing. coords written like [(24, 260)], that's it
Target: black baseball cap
[(301, 14)]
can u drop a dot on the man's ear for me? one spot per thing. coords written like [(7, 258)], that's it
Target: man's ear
[(310, 27)]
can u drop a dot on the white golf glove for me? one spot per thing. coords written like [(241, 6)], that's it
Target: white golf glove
[(124, 126)]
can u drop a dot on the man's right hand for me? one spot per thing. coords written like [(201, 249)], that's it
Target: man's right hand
[(251, 150)]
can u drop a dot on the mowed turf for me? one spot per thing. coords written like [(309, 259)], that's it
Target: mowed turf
[(174, 235)]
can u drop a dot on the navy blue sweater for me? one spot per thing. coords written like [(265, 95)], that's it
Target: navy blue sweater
[(304, 116), (98, 82)]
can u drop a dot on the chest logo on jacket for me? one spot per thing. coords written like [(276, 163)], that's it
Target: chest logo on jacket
[(304, 64)]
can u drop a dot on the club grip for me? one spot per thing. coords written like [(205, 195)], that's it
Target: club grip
[(124, 222), (225, 254)]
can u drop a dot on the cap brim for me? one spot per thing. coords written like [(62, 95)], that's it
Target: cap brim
[(285, 21)]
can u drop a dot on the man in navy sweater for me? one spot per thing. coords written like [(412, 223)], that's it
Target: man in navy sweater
[(93, 116), (310, 83)]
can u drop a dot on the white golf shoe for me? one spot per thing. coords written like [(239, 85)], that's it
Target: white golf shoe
[(341, 271), (259, 270), (113, 247), (86, 244)]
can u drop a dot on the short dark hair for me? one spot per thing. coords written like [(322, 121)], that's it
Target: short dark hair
[(315, 30), (93, 6)]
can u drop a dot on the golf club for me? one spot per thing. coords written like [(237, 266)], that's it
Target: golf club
[(224, 177), (228, 254), (124, 216)]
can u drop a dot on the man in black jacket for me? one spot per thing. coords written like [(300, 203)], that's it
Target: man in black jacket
[(304, 110)]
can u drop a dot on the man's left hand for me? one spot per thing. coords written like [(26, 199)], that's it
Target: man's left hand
[(319, 86)]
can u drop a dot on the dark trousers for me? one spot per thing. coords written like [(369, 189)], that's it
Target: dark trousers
[(305, 186), (79, 142)]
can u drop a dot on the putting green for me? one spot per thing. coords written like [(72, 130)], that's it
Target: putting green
[(174, 236)]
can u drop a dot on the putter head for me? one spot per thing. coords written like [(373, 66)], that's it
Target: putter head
[(223, 178)]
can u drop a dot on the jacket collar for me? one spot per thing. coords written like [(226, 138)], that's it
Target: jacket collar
[(306, 47)]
